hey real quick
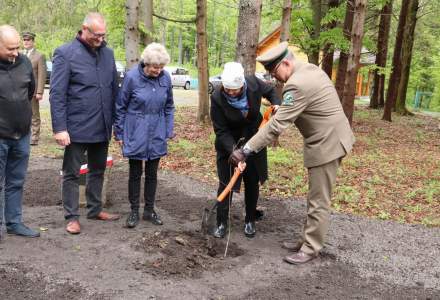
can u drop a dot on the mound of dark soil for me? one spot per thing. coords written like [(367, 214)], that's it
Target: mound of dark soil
[(183, 254)]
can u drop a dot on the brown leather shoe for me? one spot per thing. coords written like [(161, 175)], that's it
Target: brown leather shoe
[(104, 216), (299, 258), (292, 246), (73, 227)]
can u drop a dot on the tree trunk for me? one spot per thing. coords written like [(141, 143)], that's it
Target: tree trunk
[(357, 34), (285, 21), (180, 59), (202, 61), (408, 42), (163, 23), (316, 16), (381, 55), (396, 74), (328, 51), (343, 56), (248, 31), (132, 32), (147, 17)]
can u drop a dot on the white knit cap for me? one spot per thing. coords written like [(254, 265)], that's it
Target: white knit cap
[(233, 75)]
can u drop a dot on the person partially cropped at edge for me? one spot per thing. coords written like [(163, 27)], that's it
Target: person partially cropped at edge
[(235, 114), (310, 102), (144, 122)]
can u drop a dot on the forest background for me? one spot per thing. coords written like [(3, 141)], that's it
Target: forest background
[(57, 22)]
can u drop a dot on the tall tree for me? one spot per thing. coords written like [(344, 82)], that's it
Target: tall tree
[(316, 6), (328, 51), (343, 56), (132, 32), (377, 97), (147, 18), (285, 21), (357, 34), (202, 61), (396, 73), (407, 47), (248, 31)]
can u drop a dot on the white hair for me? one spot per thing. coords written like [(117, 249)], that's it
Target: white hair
[(155, 54)]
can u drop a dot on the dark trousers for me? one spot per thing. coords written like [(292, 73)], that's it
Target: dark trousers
[(251, 194), (134, 183), (14, 157), (96, 162)]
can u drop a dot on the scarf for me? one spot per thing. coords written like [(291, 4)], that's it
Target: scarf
[(240, 102)]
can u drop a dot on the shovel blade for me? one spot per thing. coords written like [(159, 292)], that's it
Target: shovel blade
[(209, 219)]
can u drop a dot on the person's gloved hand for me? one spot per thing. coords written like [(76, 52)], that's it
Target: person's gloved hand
[(238, 155)]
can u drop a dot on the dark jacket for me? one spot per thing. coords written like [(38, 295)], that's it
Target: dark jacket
[(144, 115), (83, 89), (17, 86), (230, 125)]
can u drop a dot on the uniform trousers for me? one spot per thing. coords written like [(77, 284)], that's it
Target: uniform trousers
[(321, 181), (36, 121)]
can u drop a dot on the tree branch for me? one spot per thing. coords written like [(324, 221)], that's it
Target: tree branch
[(174, 20)]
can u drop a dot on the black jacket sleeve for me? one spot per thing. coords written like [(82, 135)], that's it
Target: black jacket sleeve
[(268, 91), (224, 140), (31, 89)]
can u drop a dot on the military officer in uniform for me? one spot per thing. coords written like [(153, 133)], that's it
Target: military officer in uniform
[(39, 68), (310, 102)]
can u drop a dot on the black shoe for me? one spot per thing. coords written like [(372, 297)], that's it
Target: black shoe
[(133, 219), (249, 229), (259, 215), (220, 231), (152, 217)]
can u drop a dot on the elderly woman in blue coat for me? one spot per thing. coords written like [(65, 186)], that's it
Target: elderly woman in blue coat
[(144, 119)]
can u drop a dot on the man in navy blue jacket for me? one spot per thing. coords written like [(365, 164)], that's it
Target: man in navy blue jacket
[(83, 89)]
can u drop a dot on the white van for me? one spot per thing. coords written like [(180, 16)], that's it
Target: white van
[(179, 77)]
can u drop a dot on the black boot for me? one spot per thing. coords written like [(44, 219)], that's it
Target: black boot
[(250, 229), (220, 231), (153, 217), (133, 219)]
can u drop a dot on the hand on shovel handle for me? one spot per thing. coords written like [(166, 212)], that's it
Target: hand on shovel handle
[(232, 182)]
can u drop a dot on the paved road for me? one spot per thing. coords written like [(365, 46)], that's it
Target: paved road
[(181, 97)]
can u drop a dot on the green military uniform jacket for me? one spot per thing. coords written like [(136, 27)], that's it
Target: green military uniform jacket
[(311, 102), (39, 68)]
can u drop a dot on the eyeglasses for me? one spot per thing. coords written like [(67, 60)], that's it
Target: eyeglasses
[(274, 70), (27, 40), (96, 35)]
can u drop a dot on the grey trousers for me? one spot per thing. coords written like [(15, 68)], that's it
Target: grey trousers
[(96, 161), (321, 181)]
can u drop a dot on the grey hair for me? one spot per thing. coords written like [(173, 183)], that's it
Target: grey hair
[(7, 30), (155, 54), (93, 17)]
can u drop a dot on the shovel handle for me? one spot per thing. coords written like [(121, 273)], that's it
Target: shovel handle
[(231, 183), (266, 116)]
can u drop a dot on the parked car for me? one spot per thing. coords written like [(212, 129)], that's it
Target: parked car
[(216, 81), (179, 77), (120, 69), (48, 71)]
